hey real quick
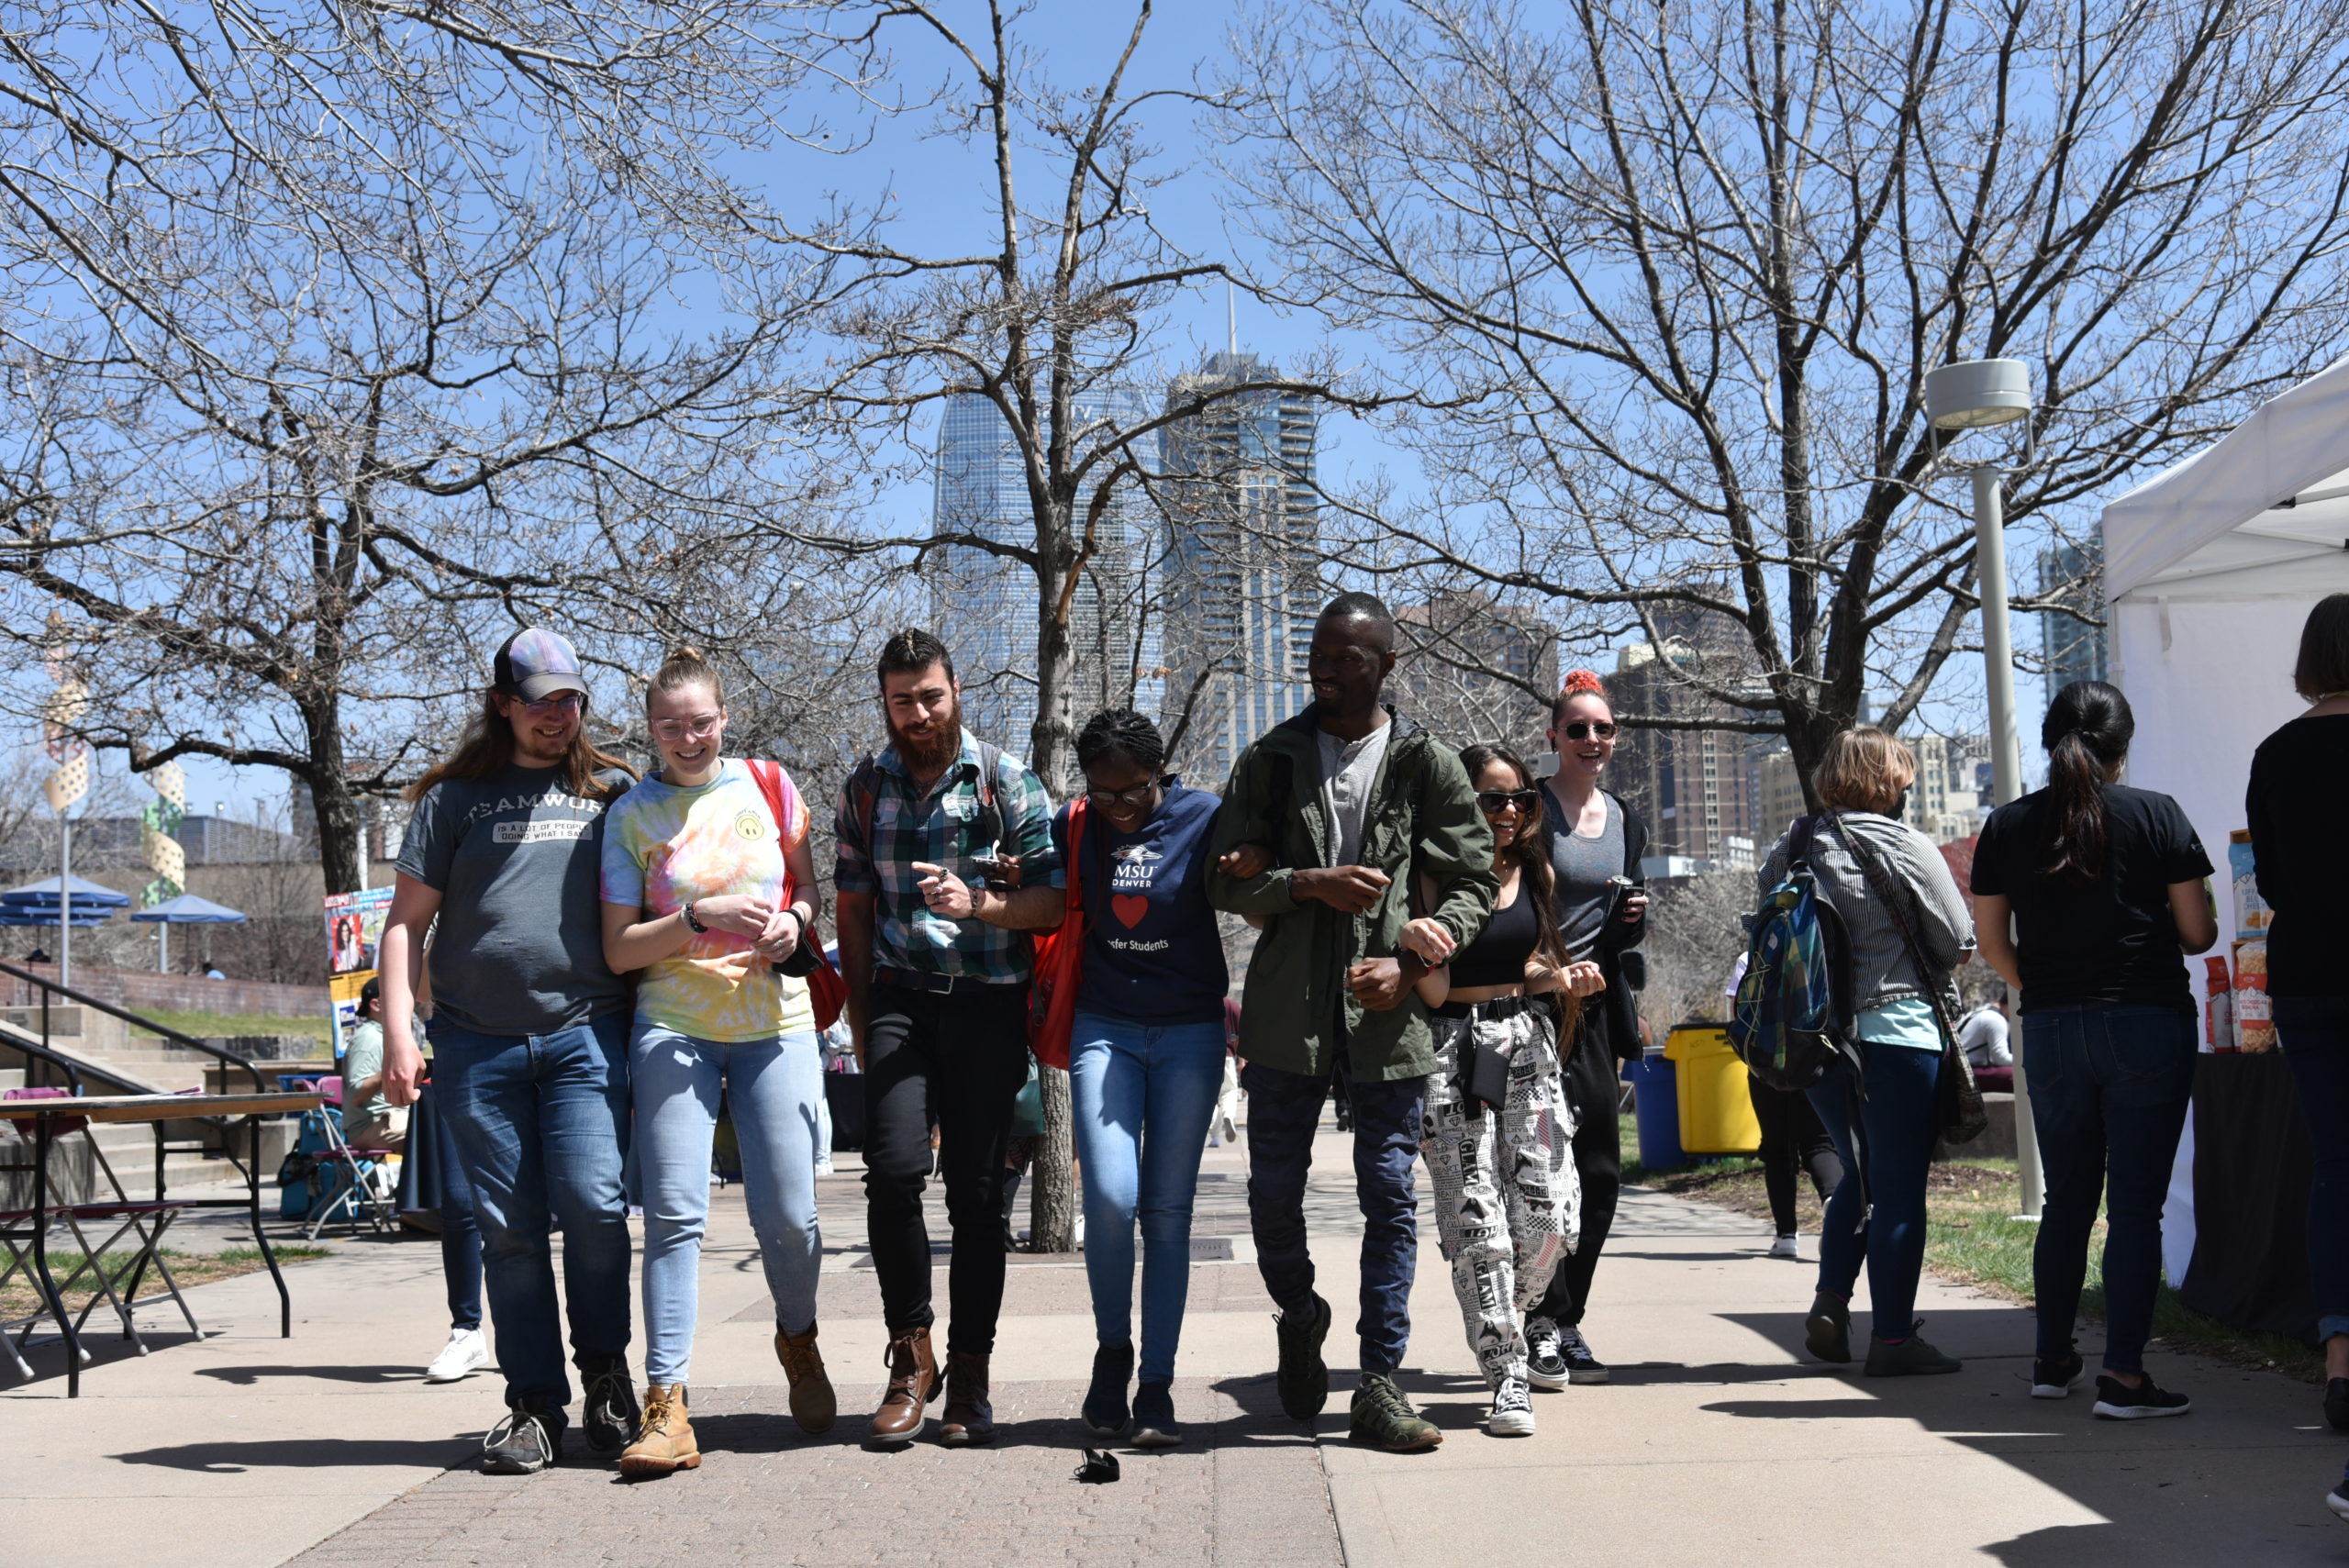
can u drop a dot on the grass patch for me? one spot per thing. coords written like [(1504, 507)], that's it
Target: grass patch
[(205, 1025), (1973, 1238), (19, 1296)]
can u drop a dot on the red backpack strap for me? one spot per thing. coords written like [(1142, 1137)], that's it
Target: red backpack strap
[(1074, 878), (770, 781)]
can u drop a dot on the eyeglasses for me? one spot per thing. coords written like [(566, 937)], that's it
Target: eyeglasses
[(1584, 728), (1110, 799), (1496, 800), (700, 727), (562, 702)]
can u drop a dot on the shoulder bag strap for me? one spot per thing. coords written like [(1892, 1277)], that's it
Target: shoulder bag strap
[(1888, 892)]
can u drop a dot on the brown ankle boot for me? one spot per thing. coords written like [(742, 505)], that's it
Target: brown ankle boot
[(813, 1404), (968, 1419), (664, 1439), (913, 1383)]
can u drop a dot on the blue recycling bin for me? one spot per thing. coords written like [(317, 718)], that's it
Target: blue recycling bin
[(1658, 1111)]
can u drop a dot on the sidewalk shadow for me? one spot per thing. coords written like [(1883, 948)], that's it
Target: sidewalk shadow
[(309, 1454), (246, 1376)]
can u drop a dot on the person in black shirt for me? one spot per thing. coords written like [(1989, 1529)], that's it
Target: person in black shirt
[(2301, 844), (2104, 887)]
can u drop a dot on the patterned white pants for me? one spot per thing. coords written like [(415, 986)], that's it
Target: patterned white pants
[(1507, 1200)]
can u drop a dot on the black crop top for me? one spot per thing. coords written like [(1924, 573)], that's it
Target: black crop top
[(1498, 955)]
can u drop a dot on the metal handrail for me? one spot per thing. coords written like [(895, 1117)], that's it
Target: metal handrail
[(42, 1053), (49, 987)]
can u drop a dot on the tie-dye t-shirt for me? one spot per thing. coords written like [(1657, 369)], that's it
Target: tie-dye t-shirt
[(665, 847)]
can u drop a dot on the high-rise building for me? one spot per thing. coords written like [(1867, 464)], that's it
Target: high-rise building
[(1943, 804), (2073, 649), (1695, 786), (1243, 543), (1466, 665), (1780, 789), (987, 605)]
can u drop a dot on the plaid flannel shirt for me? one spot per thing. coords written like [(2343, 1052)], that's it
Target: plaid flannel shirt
[(943, 826)]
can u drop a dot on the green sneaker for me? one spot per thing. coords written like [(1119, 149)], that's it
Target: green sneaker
[(1383, 1415), (1303, 1378)]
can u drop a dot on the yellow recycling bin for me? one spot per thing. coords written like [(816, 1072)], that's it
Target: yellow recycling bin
[(1716, 1097)]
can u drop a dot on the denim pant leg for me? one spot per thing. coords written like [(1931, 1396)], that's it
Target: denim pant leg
[(1107, 1083), (2314, 1032), (677, 1080), (1185, 1075), (774, 1086), (1843, 1232), (584, 1125), (1387, 1149), (1899, 1124), (460, 1232), (2067, 1114), (2146, 1091), (1283, 1109)]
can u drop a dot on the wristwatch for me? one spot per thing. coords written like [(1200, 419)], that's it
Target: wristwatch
[(698, 928)]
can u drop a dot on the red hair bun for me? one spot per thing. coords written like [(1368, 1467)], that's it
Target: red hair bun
[(1579, 682)]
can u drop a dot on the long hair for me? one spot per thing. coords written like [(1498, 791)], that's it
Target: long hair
[(1536, 879), (487, 746), (2087, 731)]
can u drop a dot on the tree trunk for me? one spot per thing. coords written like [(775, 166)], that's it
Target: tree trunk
[(1052, 1184), (335, 808)]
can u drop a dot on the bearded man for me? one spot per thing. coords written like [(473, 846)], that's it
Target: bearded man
[(945, 864)]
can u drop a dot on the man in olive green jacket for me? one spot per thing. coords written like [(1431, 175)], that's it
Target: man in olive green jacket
[(1328, 826)]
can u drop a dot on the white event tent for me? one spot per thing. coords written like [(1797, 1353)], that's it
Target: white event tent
[(2210, 570)]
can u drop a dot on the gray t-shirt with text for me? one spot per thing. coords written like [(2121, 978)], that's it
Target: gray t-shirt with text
[(519, 948)]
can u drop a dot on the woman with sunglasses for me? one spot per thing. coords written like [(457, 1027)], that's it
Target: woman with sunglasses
[(1145, 1054), (1596, 845), (708, 888), (1495, 1129)]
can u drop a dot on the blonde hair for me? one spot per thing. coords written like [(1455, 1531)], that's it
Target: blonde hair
[(684, 667), (1865, 770)]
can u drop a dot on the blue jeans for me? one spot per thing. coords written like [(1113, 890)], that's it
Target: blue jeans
[(541, 1125), (2314, 1033), (1897, 1125), (1143, 1095), (772, 1088), (1282, 1110), (460, 1233), (2108, 1093)]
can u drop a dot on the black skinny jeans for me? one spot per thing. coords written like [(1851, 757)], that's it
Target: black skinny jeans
[(1595, 1089), (961, 1058), (1792, 1140)]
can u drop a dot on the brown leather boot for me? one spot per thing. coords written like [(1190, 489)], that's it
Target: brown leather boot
[(664, 1439), (813, 1404), (913, 1383), (968, 1419)]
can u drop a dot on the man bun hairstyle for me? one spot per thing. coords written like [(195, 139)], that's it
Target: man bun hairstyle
[(1365, 607), (910, 651), (1577, 684), (2323, 669), (686, 667), (2088, 730), (1121, 732)]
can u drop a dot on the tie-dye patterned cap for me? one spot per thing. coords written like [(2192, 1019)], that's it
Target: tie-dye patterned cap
[(536, 663)]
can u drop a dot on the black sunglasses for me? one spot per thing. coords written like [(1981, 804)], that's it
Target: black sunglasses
[(1584, 728), (1496, 800)]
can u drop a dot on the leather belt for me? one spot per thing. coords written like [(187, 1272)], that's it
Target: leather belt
[(914, 980)]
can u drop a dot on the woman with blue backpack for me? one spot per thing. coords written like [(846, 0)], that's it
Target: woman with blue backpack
[(1906, 929)]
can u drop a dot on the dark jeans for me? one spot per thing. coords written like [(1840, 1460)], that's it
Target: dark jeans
[(460, 1232), (2109, 1092), (1282, 1110), (1594, 1087), (1793, 1141), (2314, 1033), (1898, 1126), (541, 1125), (959, 1059)]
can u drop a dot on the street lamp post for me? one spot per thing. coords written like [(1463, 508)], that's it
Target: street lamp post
[(1980, 395)]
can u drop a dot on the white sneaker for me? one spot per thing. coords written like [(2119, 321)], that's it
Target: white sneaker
[(824, 1166), (1786, 1247), (466, 1352), (1513, 1412)]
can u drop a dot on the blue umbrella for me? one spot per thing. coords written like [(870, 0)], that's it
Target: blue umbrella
[(48, 894), (187, 910), (19, 915)]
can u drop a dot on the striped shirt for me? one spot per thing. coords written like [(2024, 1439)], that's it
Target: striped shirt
[(945, 825)]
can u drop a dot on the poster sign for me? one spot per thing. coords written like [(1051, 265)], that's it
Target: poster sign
[(354, 925)]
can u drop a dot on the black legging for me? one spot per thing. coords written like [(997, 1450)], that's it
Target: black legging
[(1792, 1140), (1593, 1089)]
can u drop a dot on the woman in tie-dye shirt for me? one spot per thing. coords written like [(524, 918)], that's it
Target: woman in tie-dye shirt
[(707, 888)]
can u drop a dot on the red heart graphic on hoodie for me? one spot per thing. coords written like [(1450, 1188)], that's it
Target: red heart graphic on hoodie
[(1130, 908)]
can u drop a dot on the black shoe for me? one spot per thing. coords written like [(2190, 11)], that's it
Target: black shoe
[(608, 1413), (1382, 1414), (1303, 1377), (2336, 1404), (1104, 1401), (1827, 1332), (1155, 1422), (2055, 1379), (528, 1441), (1545, 1367), (1912, 1357), (1581, 1365), (2116, 1401)]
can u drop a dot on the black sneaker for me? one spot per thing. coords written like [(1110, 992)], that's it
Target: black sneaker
[(1303, 1377), (2055, 1379), (1155, 1422), (608, 1413), (1581, 1365), (1912, 1357), (1545, 1367), (2116, 1401), (1827, 1332), (1383, 1415), (1104, 1401), (2336, 1404), (528, 1441)]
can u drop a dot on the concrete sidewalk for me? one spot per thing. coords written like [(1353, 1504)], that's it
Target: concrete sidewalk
[(1713, 1443)]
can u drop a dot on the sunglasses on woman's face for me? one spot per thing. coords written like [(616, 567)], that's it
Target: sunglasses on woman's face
[(1584, 728), (1496, 800)]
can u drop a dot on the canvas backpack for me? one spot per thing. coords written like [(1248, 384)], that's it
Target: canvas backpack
[(1792, 1018)]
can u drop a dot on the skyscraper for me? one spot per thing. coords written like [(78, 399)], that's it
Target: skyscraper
[(1243, 542), (987, 605), (2074, 650)]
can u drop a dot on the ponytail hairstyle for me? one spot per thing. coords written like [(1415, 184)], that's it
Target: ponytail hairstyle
[(684, 667), (1122, 732), (1536, 879), (2087, 732), (1577, 684)]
